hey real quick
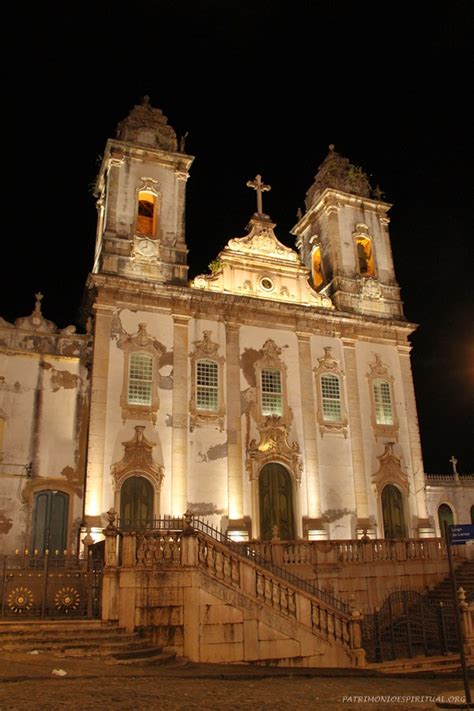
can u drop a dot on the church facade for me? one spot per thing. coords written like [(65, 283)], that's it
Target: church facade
[(273, 396)]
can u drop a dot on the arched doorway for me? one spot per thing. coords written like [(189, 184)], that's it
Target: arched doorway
[(392, 511), (136, 503), (445, 513), (50, 514), (276, 502)]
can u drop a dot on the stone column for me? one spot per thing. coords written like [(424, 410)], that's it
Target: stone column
[(308, 407), (424, 527), (356, 435), (234, 427), (179, 439), (98, 410)]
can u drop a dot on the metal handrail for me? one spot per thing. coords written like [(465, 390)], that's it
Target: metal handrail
[(180, 523)]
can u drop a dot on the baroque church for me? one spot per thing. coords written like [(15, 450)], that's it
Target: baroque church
[(272, 397)]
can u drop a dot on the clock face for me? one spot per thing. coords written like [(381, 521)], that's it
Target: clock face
[(146, 248)]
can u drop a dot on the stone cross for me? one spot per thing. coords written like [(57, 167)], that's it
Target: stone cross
[(260, 188), (38, 298), (454, 461)]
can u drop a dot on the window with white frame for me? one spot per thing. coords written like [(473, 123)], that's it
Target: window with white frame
[(382, 402), (140, 379), (332, 413), (270, 380), (331, 397), (207, 385)]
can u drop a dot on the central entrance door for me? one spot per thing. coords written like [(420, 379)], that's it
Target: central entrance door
[(276, 502), (136, 503), (393, 516)]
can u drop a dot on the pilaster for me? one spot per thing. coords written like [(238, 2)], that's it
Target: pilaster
[(308, 408), (179, 446), (355, 430), (234, 431), (98, 411), (424, 527)]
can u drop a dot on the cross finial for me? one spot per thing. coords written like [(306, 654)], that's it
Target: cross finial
[(260, 188), (38, 298), (454, 461)]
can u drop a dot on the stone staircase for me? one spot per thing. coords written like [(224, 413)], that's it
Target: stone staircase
[(81, 638), (443, 592)]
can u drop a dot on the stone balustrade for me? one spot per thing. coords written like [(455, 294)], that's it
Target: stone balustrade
[(351, 551)]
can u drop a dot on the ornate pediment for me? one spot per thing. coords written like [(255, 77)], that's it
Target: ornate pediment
[(137, 459), (261, 241), (274, 446), (390, 471)]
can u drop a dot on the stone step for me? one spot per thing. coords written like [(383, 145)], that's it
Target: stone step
[(49, 636), (160, 658), (69, 646)]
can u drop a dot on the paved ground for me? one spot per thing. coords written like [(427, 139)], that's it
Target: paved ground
[(27, 682)]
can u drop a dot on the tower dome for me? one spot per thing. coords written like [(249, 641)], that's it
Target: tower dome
[(338, 172), (147, 126)]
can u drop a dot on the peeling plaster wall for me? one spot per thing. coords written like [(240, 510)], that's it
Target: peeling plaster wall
[(159, 327), (207, 452), (42, 397), (57, 431)]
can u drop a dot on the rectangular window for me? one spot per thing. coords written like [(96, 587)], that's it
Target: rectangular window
[(383, 402), (140, 379), (331, 396), (207, 385), (271, 392)]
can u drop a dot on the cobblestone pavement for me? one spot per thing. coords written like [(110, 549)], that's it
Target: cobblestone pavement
[(27, 682)]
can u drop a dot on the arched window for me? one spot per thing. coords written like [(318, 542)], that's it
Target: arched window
[(317, 267), (445, 514), (140, 379), (365, 256), (382, 401), (147, 213), (50, 514)]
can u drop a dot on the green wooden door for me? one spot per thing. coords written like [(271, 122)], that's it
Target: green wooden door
[(393, 516), (136, 503), (445, 514), (276, 502), (50, 514)]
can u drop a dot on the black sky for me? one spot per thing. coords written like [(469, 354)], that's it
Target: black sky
[(260, 87)]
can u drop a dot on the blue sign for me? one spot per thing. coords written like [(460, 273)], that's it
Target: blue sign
[(460, 534)]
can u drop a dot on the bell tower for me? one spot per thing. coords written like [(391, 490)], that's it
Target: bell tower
[(140, 193), (343, 238)]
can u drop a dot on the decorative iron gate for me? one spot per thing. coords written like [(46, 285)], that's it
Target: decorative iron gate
[(50, 585), (408, 625)]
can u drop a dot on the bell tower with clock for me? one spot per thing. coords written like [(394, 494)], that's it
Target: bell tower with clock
[(140, 193)]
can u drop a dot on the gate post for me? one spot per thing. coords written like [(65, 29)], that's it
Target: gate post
[(466, 611), (110, 580), (356, 638)]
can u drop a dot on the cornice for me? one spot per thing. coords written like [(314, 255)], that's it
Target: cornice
[(174, 299)]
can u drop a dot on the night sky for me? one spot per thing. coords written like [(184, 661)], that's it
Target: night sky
[(260, 87)]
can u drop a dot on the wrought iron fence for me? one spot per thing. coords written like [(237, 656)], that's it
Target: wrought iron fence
[(49, 585), (408, 624)]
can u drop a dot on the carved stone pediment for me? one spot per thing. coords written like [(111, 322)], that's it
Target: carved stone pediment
[(138, 459), (261, 240), (274, 447), (390, 471)]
